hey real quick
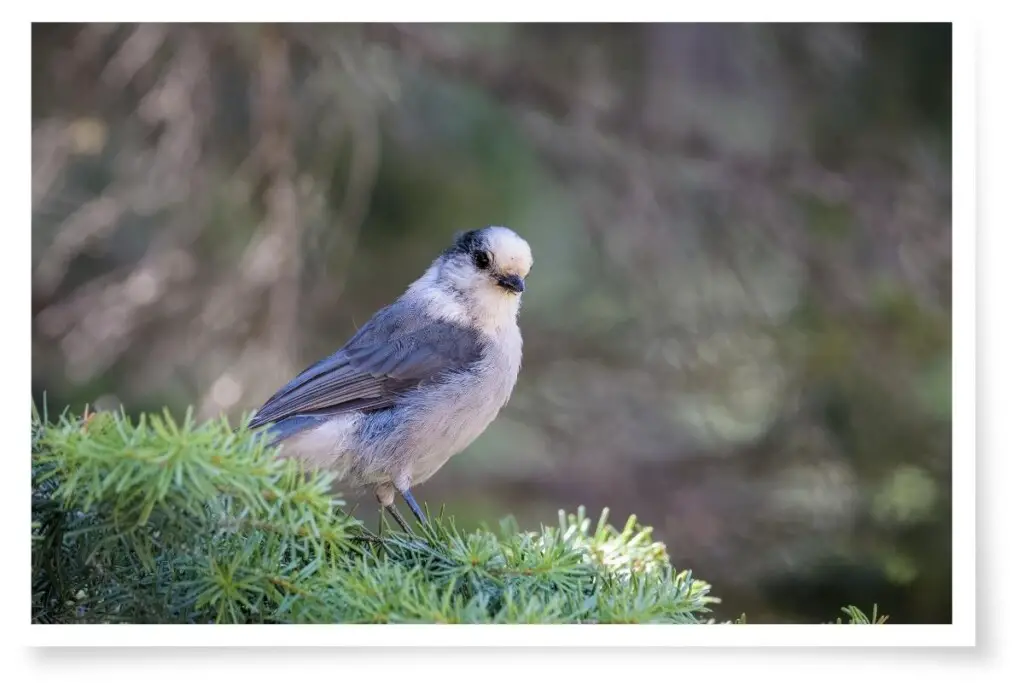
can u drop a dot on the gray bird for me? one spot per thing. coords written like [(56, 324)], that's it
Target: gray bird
[(419, 381)]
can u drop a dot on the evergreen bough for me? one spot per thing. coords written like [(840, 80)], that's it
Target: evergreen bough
[(151, 521)]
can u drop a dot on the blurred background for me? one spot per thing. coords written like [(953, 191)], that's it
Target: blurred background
[(737, 327)]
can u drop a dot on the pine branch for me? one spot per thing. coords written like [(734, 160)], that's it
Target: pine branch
[(151, 521)]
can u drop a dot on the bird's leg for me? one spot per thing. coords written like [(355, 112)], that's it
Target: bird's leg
[(398, 518), (386, 497), (411, 502)]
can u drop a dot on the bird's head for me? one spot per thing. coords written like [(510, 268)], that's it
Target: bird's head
[(487, 262), (478, 280)]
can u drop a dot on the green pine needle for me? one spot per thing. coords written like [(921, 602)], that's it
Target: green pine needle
[(157, 521)]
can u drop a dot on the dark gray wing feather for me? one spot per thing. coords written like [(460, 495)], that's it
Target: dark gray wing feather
[(397, 349)]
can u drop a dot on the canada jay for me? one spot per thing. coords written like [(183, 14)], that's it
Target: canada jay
[(419, 381)]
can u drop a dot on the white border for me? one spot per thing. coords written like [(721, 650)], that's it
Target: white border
[(962, 632), (964, 335), (600, 636)]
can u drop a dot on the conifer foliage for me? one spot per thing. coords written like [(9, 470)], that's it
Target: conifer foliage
[(154, 521)]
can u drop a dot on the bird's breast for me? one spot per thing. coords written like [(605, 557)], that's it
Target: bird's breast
[(457, 412)]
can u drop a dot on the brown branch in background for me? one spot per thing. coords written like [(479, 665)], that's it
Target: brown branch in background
[(509, 80), (515, 82), (276, 150), (354, 85), (135, 52), (56, 141), (92, 224), (362, 173), (611, 140), (362, 176), (51, 148), (273, 261), (672, 161), (102, 319)]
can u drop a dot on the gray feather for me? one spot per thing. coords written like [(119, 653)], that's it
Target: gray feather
[(398, 349)]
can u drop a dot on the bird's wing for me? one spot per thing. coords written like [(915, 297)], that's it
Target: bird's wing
[(389, 355)]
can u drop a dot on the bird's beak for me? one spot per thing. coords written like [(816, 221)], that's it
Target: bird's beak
[(512, 283)]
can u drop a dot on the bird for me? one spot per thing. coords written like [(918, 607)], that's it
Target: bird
[(419, 381)]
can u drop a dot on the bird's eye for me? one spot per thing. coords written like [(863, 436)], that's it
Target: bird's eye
[(482, 259)]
